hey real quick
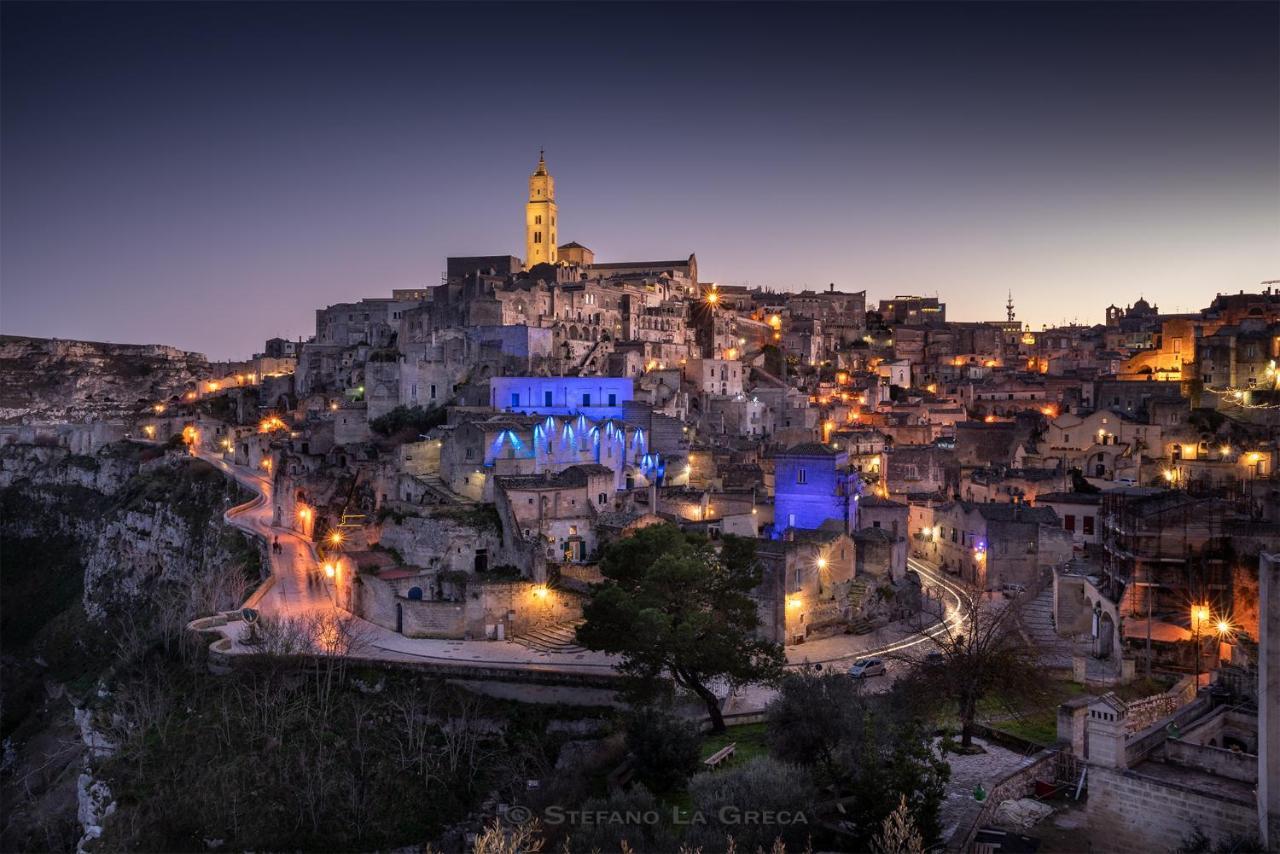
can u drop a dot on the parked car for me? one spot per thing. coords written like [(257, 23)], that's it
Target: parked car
[(1013, 591), (865, 667), (935, 659)]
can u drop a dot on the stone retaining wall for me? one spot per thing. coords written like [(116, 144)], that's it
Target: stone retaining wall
[(1138, 813)]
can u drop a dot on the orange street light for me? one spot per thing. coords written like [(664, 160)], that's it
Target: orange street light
[(1199, 615), (336, 538), (330, 570)]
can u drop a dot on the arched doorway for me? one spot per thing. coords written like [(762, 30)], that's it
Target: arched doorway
[(1104, 643)]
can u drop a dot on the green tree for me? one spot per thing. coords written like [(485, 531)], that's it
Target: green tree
[(664, 748), (670, 605), (812, 718), (871, 749)]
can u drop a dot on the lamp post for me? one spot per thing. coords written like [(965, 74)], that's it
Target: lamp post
[(1199, 614)]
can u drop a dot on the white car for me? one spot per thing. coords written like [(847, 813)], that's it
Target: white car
[(1012, 591), (865, 667)]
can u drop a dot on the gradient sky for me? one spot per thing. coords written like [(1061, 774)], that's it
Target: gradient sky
[(208, 175)]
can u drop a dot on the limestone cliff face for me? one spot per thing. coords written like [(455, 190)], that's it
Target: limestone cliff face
[(51, 380), (148, 525)]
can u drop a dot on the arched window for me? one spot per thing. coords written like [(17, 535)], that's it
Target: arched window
[(415, 593)]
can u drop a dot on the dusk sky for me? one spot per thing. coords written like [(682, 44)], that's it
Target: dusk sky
[(208, 175)]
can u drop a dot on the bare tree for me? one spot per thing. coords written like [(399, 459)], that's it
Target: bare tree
[(982, 654)]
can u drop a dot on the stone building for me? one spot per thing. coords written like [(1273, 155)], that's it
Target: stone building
[(813, 485), (990, 545)]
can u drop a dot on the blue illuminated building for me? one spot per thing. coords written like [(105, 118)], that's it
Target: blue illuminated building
[(595, 397), (813, 485)]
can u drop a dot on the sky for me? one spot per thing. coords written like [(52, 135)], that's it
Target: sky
[(207, 175)]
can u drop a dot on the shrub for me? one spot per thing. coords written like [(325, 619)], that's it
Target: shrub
[(408, 419), (664, 748), (725, 798), (634, 817)]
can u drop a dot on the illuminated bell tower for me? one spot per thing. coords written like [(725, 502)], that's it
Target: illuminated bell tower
[(540, 217)]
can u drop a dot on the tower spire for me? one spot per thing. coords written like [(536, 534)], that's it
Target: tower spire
[(540, 216), (1008, 308)]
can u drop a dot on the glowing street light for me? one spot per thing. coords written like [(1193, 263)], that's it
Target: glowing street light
[(822, 563), (335, 538), (330, 570)]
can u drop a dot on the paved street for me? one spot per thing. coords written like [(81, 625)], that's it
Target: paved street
[(291, 594)]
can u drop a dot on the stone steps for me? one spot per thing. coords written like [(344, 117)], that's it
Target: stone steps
[(441, 492), (551, 637), (1038, 623)]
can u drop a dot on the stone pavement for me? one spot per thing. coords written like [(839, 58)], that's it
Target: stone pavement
[(297, 589), (968, 772)]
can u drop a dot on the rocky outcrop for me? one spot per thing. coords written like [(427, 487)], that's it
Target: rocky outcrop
[(52, 380), (145, 521)]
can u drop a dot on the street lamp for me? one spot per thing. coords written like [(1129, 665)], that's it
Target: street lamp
[(1199, 614)]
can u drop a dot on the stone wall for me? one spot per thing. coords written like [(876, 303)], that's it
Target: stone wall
[(1225, 763), (1139, 813), (1018, 784)]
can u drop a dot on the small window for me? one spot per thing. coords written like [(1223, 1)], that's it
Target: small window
[(1088, 525), (1070, 522), (537, 220), (801, 476), (515, 398), (586, 399), (613, 399), (546, 398)]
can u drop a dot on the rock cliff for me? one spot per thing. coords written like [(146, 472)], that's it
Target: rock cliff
[(51, 380), (105, 556)]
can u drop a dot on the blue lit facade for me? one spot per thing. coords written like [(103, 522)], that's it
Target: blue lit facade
[(595, 397), (523, 445), (813, 485)]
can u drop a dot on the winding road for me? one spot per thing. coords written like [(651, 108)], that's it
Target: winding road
[(295, 589)]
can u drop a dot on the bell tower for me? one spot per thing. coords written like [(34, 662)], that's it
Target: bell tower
[(540, 217)]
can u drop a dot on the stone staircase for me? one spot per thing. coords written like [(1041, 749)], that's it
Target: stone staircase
[(551, 637), (858, 593), (442, 494), (1038, 627)]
